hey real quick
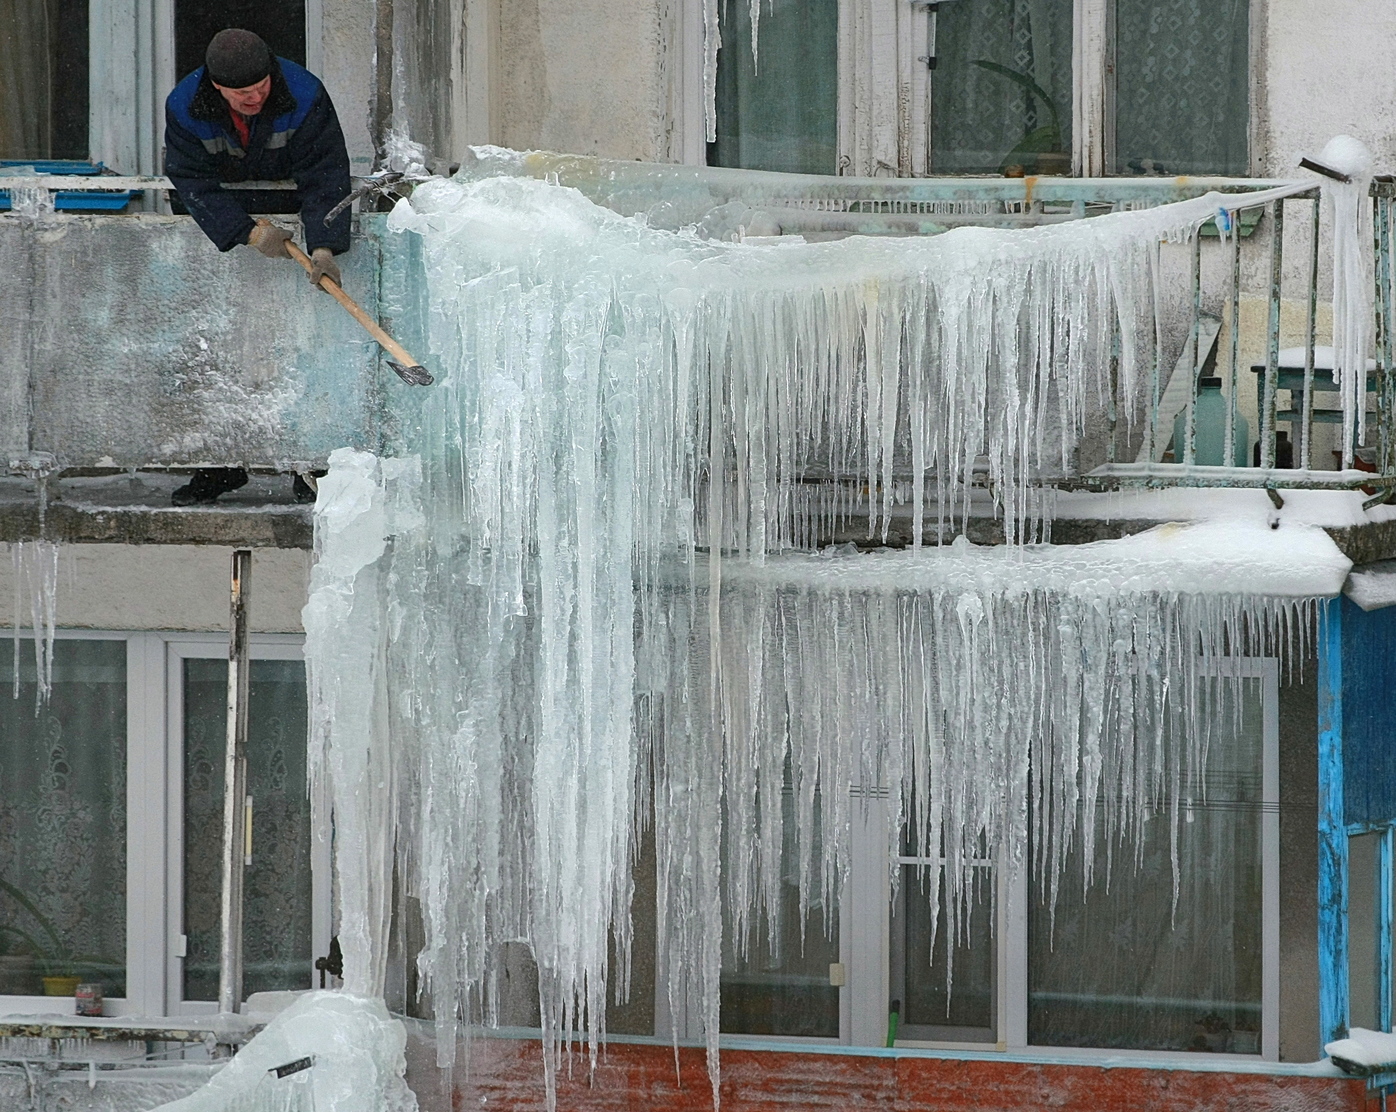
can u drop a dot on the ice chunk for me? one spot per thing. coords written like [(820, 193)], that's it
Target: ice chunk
[(335, 1053)]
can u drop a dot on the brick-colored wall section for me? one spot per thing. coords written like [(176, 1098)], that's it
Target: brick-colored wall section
[(506, 1076)]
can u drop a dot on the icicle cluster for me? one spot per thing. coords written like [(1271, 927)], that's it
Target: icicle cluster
[(1353, 297), (35, 572), (581, 598)]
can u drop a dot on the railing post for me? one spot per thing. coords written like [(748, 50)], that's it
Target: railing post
[(1229, 452), (1195, 342), (1386, 396), (235, 789), (1306, 428), (1272, 355)]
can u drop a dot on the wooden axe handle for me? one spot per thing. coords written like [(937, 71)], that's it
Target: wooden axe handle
[(371, 326)]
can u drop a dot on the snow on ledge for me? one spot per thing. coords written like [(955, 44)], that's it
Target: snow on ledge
[(1203, 558), (1363, 1051)]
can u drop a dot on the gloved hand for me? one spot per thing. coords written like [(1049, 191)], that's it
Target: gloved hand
[(323, 266), (269, 240)]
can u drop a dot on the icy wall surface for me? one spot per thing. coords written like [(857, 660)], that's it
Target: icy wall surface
[(586, 594)]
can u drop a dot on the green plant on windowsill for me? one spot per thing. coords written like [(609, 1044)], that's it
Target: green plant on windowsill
[(1042, 149), (55, 960)]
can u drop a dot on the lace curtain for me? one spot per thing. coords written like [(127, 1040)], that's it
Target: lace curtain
[(63, 818), (779, 111), (1182, 100), (986, 115), (277, 942)]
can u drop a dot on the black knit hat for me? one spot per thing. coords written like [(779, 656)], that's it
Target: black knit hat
[(237, 58)]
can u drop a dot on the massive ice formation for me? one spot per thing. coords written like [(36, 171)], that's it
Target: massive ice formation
[(586, 596), (327, 1052)]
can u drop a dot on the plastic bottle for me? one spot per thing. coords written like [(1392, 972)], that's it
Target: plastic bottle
[(1209, 447)]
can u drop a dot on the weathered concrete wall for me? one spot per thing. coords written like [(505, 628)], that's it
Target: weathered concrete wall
[(582, 76), (165, 587), (1324, 70), (347, 69), (132, 341)]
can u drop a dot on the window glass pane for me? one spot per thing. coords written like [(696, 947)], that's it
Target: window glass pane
[(276, 922), (1182, 86), (779, 111), (1001, 87), (63, 820), (43, 79), (1364, 962), (946, 999), (1120, 968), (777, 982), (280, 23)]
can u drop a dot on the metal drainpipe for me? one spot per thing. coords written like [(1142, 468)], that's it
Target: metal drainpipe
[(235, 790)]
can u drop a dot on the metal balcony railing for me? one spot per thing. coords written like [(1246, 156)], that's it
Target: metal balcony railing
[(823, 207), (1135, 447)]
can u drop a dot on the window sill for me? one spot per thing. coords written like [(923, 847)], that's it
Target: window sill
[(1049, 1056)]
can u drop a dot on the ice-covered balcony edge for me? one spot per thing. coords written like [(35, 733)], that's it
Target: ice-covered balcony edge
[(730, 202)]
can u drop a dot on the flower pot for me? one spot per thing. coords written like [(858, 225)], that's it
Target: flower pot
[(61, 986)]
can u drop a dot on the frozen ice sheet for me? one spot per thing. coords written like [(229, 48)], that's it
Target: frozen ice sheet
[(583, 596)]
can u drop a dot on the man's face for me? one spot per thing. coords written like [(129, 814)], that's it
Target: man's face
[(248, 101)]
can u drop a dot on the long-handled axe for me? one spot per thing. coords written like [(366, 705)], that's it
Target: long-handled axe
[(407, 368)]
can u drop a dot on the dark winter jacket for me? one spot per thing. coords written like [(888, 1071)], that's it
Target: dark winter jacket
[(296, 136)]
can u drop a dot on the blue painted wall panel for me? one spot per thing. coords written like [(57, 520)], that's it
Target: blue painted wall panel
[(1369, 714)]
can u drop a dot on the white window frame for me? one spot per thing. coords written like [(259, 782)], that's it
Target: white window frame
[(178, 649), (865, 928), (154, 817), (131, 70), (885, 97)]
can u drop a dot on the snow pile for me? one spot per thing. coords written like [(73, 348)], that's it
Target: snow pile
[(357, 1062), (1373, 586), (586, 590), (1363, 1051)]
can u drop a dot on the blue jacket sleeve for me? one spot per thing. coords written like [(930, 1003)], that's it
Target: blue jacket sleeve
[(195, 178), (320, 168)]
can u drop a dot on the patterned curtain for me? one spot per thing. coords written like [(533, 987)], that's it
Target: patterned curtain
[(778, 111), (63, 818), (1182, 99), (1001, 89), (277, 887)]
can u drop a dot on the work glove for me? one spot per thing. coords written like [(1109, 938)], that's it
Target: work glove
[(269, 240), (323, 266)]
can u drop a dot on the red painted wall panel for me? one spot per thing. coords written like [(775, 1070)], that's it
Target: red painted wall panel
[(506, 1076)]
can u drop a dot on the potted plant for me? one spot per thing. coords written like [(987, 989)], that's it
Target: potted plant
[(1042, 149), (55, 959)]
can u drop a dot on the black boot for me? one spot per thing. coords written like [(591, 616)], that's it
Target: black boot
[(301, 491), (207, 484)]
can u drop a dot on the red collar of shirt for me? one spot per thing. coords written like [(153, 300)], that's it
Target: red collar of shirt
[(242, 126)]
